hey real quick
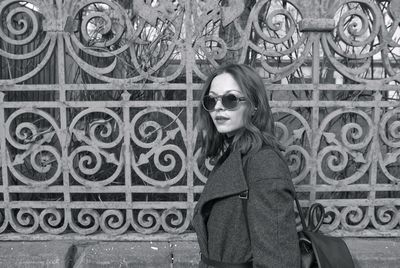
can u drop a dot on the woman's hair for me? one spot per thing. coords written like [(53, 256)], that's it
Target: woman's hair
[(258, 119)]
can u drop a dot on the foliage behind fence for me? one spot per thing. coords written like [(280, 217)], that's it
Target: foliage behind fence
[(98, 99)]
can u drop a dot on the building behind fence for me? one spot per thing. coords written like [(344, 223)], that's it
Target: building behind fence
[(98, 102)]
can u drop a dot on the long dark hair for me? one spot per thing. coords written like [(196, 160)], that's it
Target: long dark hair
[(258, 119)]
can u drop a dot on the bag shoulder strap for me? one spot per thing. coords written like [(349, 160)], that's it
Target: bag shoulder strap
[(300, 212), (244, 196), (311, 210), (244, 200)]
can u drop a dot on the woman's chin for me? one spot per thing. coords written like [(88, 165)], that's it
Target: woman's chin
[(227, 131)]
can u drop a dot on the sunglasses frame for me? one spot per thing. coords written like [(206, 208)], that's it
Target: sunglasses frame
[(219, 98)]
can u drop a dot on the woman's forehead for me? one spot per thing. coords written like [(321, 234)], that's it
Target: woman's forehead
[(223, 84)]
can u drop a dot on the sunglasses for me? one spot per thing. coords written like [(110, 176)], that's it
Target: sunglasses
[(229, 101)]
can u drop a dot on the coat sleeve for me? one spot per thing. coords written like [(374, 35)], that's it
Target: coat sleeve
[(270, 212)]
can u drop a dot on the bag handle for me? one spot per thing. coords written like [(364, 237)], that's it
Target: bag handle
[(316, 211)]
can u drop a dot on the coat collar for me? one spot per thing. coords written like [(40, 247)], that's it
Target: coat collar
[(228, 179)]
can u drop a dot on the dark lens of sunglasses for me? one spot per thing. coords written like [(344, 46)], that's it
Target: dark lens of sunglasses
[(209, 103), (229, 101)]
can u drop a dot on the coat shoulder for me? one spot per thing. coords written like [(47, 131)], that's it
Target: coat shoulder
[(267, 163)]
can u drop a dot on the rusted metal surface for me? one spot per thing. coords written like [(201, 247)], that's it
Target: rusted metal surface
[(111, 151)]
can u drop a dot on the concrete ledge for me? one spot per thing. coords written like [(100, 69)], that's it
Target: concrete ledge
[(366, 252)]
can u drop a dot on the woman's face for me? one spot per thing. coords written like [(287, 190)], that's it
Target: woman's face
[(227, 121)]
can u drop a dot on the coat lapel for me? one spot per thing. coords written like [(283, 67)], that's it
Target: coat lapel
[(227, 180)]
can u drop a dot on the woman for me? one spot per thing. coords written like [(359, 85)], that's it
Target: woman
[(245, 215)]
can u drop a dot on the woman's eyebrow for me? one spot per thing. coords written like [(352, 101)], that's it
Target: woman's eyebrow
[(231, 90), (234, 90)]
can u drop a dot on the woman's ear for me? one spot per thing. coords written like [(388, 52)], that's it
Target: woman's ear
[(254, 111)]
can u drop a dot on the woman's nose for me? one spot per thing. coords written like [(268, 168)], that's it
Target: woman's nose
[(218, 105)]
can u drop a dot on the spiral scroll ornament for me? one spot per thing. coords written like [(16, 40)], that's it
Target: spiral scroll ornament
[(24, 220), (332, 219), (4, 220), (385, 218), (269, 33), (21, 31), (365, 31), (295, 135), (201, 170), (92, 156), (36, 146), (355, 218), (389, 132), (158, 39), (151, 138), (150, 221), (146, 221), (208, 46), (174, 221), (207, 163), (113, 222), (85, 222), (132, 46), (354, 138), (53, 221)]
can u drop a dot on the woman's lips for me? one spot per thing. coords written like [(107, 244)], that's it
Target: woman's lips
[(221, 119)]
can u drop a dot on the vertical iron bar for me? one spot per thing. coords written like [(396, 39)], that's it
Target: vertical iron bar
[(190, 61), (375, 148), (315, 115), (4, 160), (127, 154), (64, 134)]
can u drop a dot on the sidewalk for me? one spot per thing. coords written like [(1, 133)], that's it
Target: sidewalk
[(367, 253)]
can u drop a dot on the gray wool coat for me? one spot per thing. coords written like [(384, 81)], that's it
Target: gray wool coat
[(271, 239)]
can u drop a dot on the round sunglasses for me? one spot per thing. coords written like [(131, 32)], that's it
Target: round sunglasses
[(229, 101)]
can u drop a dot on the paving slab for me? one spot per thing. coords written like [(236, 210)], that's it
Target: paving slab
[(186, 254), (124, 254), (51, 254), (375, 252)]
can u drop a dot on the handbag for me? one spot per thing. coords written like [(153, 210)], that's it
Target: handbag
[(317, 249)]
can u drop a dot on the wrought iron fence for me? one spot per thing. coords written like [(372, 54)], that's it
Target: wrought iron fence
[(98, 100)]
